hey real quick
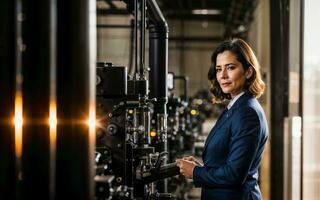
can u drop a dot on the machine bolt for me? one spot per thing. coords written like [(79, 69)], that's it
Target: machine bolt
[(112, 129), (119, 179)]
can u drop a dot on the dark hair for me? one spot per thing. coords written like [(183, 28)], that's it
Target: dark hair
[(244, 54)]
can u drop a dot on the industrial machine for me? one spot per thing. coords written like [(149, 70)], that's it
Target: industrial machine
[(128, 164), (141, 128)]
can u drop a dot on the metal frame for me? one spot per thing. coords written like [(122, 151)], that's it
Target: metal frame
[(301, 86), (7, 90), (279, 21)]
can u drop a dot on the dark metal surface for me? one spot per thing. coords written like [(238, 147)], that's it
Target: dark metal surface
[(164, 171), (158, 56), (75, 63), (7, 93), (279, 86), (36, 66), (158, 62)]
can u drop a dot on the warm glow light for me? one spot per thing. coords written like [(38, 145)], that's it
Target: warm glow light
[(92, 126), (130, 111), (91, 122), (53, 115), (92, 118), (18, 123), (53, 123), (153, 133), (193, 112)]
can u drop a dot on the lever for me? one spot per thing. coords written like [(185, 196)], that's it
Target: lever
[(160, 159)]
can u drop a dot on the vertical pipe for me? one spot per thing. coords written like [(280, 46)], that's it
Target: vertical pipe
[(37, 64), (53, 97), (301, 72), (132, 50), (142, 36), (136, 52), (18, 118), (158, 56), (182, 49), (76, 58), (185, 80), (158, 62), (7, 92)]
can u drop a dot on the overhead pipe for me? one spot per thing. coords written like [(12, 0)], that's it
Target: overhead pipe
[(76, 76), (7, 100)]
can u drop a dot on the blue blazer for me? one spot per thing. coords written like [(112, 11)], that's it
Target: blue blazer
[(232, 153)]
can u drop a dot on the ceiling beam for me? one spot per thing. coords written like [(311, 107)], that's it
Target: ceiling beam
[(217, 18), (195, 39)]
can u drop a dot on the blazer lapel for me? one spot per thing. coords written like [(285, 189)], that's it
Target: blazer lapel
[(224, 116), (221, 120)]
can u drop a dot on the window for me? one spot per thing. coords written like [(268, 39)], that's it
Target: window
[(311, 101)]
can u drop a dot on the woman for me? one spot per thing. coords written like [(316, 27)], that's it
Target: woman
[(234, 147)]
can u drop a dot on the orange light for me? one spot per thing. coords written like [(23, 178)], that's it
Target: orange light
[(53, 124), (153, 134), (193, 112), (18, 123), (92, 126), (92, 122)]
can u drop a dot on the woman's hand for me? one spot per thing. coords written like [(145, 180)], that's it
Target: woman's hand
[(193, 159), (186, 167)]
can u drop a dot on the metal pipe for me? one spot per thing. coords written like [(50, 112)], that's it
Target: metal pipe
[(7, 91), (136, 19), (142, 36), (158, 62), (131, 51), (156, 16), (76, 65), (37, 64), (185, 80), (158, 56)]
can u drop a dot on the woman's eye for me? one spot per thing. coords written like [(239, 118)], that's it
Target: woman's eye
[(231, 67), (218, 70)]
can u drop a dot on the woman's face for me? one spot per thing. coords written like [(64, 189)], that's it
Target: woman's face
[(230, 73)]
